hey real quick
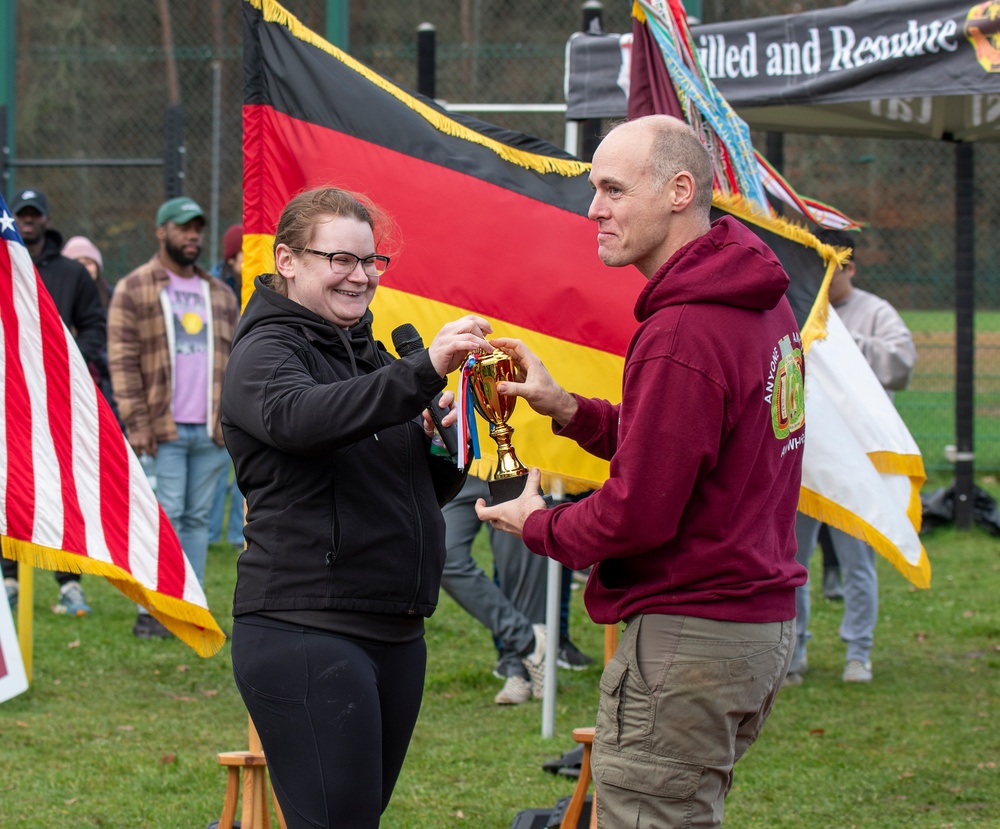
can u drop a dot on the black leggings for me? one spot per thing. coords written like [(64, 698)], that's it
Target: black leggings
[(334, 715)]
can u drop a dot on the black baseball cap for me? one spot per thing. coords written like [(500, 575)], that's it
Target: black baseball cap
[(30, 198)]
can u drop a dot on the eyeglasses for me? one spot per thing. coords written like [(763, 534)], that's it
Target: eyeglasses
[(344, 263)]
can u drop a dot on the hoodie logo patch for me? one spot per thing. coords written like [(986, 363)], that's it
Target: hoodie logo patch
[(786, 388)]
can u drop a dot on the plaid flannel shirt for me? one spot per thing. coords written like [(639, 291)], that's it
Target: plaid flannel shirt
[(139, 356)]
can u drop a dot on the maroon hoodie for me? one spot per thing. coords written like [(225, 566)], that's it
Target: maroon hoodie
[(697, 516)]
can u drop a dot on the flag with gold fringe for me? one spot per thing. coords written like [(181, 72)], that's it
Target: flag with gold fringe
[(73, 495), (862, 470)]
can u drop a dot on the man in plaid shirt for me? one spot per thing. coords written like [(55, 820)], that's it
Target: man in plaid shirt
[(170, 331)]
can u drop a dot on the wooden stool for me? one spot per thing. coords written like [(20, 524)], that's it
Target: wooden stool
[(571, 817), (255, 788), (586, 736)]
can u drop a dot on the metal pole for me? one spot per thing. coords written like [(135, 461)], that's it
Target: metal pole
[(8, 75), (552, 601), (173, 85), (338, 23), (427, 59), (85, 162), (216, 172), (4, 153), (571, 138), (213, 209), (173, 152), (965, 341), (25, 615), (590, 128)]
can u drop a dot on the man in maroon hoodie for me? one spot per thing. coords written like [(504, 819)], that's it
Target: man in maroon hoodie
[(691, 538)]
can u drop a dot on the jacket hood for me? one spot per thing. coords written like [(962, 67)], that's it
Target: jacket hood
[(729, 265), (267, 307), (53, 245)]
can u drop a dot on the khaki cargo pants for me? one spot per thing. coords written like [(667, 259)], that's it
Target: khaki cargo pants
[(681, 701)]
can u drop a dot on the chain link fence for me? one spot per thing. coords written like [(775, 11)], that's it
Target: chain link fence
[(95, 80)]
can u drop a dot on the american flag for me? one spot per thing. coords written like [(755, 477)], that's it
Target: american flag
[(73, 495)]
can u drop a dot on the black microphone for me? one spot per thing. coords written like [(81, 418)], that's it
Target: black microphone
[(406, 340)]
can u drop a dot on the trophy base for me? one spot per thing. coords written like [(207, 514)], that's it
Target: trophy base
[(506, 489)]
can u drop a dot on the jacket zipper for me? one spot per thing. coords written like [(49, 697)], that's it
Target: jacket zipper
[(420, 526), (332, 553)]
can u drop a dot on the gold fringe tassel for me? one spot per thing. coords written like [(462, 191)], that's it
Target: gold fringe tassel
[(193, 625), (829, 512), (794, 231)]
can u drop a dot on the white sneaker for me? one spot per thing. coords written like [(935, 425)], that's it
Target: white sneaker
[(515, 691), (857, 671), (534, 662)]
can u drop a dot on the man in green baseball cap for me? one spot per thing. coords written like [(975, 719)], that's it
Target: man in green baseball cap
[(180, 211)]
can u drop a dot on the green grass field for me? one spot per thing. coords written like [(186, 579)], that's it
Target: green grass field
[(927, 406), (117, 732), (944, 321), (121, 733)]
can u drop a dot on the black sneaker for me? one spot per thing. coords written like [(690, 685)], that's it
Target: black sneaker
[(149, 627), (572, 658)]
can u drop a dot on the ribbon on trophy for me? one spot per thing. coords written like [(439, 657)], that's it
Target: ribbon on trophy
[(466, 408)]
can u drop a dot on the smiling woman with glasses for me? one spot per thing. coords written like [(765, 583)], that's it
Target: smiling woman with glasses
[(344, 534)]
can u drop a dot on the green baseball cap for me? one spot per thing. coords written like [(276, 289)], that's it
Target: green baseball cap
[(179, 211)]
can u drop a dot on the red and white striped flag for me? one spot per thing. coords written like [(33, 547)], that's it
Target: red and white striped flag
[(73, 496)]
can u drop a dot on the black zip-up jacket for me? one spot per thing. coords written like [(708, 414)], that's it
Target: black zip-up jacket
[(343, 493)]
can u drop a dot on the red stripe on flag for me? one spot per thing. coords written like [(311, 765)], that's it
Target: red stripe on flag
[(170, 568), (17, 412), (115, 485), (58, 397), (465, 242)]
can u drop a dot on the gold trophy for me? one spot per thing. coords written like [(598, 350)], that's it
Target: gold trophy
[(490, 369)]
